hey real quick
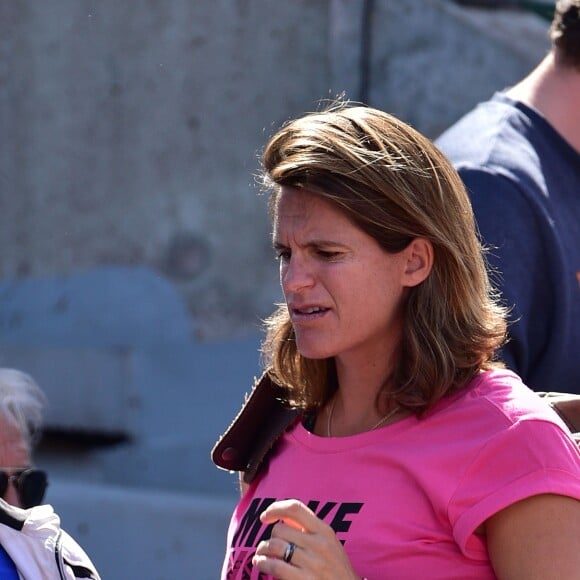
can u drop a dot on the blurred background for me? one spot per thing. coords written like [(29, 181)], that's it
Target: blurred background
[(135, 259)]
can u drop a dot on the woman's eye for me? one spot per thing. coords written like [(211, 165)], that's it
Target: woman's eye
[(327, 255)]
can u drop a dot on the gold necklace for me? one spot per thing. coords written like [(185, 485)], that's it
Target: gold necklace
[(390, 414)]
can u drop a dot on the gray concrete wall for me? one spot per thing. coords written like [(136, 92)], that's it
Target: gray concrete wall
[(143, 534), (130, 130), (141, 400), (433, 61)]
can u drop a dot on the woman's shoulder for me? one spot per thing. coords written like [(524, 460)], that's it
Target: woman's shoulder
[(505, 390), (500, 397)]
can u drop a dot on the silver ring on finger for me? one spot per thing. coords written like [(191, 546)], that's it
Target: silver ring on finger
[(289, 552)]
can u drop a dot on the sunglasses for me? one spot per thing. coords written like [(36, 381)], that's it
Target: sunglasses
[(30, 485)]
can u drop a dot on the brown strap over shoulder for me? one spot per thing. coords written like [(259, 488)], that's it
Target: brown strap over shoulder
[(259, 424)]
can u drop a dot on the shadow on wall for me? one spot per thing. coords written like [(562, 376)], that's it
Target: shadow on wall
[(135, 406), (113, 350)]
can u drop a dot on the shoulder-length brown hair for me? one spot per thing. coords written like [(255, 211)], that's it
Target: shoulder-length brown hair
[(395, 185)]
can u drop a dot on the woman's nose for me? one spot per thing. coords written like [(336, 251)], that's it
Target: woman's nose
[(295, 275)]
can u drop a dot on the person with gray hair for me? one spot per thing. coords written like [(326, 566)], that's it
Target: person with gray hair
[(32, 542), (22, 403)]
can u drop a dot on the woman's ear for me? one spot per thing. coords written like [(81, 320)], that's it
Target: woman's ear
[(419, 261)]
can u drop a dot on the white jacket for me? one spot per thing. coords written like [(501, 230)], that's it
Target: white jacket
[(39, 547)]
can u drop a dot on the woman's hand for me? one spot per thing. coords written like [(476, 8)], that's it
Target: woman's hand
[(301, 546)]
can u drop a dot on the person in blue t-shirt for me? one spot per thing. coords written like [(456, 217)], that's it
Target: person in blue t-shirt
[(519, 156)]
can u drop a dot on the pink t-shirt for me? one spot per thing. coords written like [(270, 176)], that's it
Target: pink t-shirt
[(406, 499)]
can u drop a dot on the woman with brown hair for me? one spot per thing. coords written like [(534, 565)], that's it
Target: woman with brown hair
[(384, 440)]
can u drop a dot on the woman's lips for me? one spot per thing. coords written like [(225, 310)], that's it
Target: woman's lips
[(305, 313)]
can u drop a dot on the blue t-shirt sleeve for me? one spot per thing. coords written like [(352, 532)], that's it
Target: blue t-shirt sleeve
[(515, 234), (7, 567)]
